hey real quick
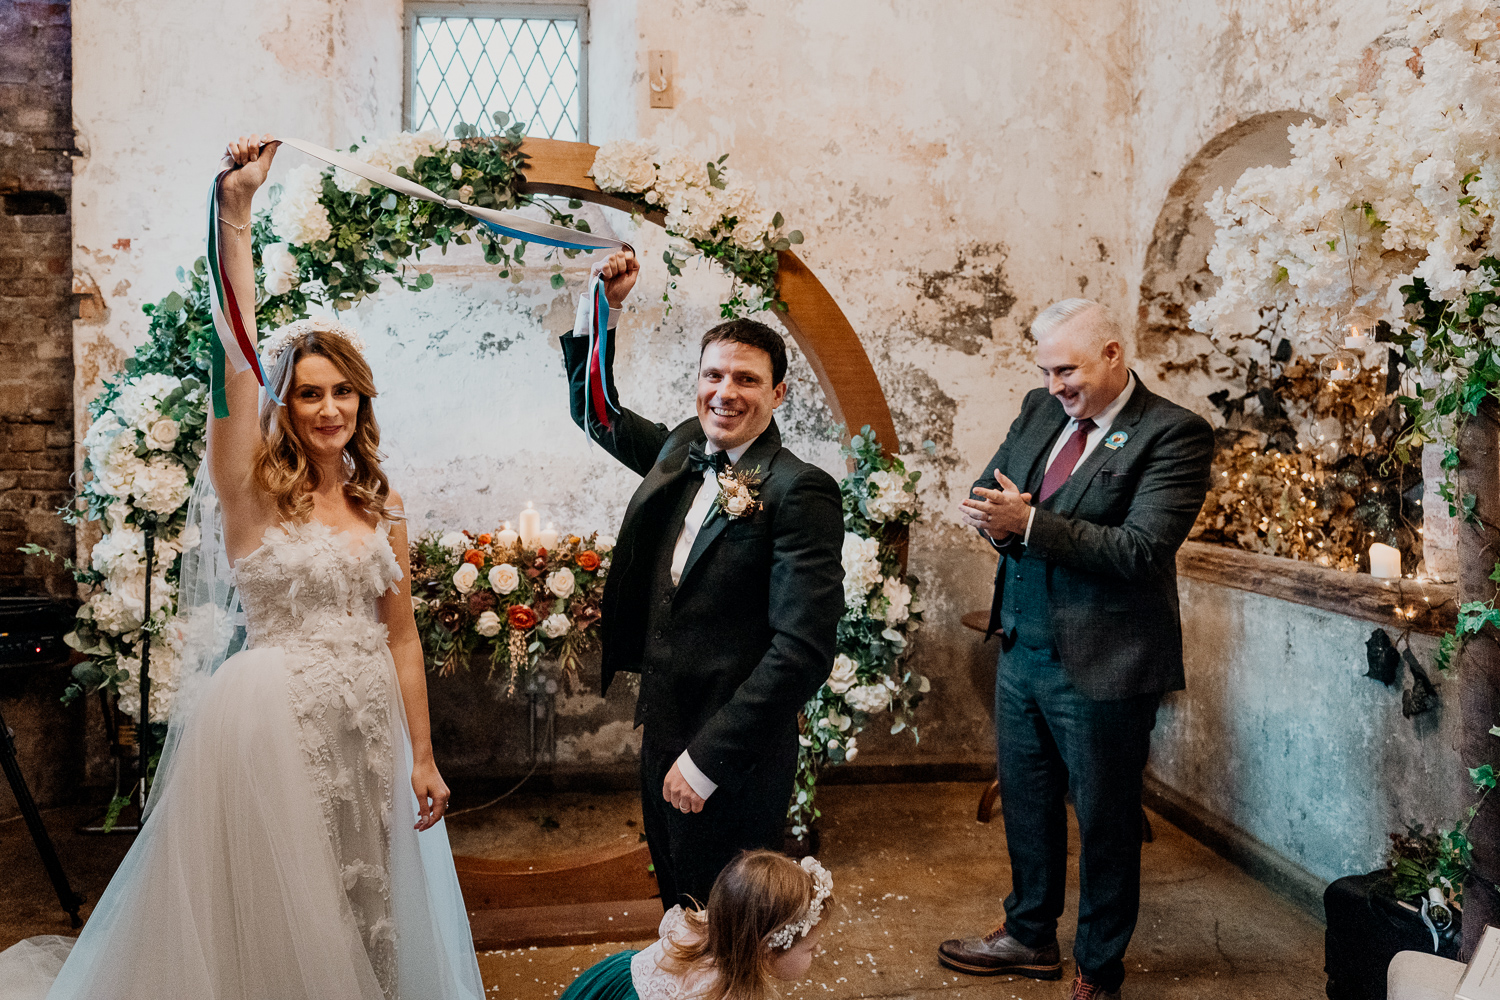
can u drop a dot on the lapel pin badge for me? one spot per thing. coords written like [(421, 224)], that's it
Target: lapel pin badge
[(1116, 440)]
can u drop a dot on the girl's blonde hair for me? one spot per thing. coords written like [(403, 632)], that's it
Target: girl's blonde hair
[(759, 893), (283, 468)]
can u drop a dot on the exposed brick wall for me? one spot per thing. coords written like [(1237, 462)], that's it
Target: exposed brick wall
[(36, 314)]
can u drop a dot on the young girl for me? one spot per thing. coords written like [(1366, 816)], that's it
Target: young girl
[(763, 921)]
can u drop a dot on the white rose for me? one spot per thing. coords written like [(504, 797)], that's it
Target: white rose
[(163, 434), (504, 578), (557, 625), (465, 577), (454, 541), (560, 583), (457, 171), (844, 674), (466, 194), (736, 504), (869, 698), (488, 624), (898, 600)]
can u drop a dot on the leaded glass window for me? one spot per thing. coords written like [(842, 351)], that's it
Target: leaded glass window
[(466, 61)]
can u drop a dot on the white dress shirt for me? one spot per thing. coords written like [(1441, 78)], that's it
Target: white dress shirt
[(1101, 428), (692, 524)]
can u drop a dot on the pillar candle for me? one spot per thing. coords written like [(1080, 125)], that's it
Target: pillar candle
[(531, 526), (1385, 561), (549, 538), (507, 537)]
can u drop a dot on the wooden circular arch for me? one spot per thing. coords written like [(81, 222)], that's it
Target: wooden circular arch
[(812, 317)]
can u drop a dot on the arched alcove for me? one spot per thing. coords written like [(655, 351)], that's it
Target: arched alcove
[(813, 318), (1175, 272)]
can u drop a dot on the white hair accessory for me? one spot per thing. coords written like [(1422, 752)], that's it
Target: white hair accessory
[(272, 346), (788, 935)]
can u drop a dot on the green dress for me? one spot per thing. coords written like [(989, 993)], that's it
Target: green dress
[(606, 980)]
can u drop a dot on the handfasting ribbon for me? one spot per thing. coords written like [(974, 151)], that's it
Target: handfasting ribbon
[(233, 341), (511, 224)]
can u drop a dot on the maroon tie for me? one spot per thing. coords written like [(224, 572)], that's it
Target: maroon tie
[(1062, 466)]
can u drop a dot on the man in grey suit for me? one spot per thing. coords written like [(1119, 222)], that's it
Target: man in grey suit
[(1088, 499)]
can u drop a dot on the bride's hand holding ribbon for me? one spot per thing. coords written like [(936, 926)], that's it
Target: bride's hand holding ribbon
[(249, 161)]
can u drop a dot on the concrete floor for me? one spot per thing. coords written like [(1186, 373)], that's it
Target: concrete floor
[(911, 867)]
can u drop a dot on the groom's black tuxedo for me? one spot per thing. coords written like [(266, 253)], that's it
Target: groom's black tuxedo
[(730, 654)]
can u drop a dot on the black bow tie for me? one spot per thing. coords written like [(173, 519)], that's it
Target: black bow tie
[(701, 461)]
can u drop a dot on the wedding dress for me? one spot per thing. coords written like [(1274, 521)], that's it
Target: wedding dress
[(281, 863)]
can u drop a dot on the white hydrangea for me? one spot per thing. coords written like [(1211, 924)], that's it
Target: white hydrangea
[(869, 698), (299, 216), (139, 401), (160, 484), (888, 498), (166, 669), (399, 150), (861, 558), (281, 271), (624, 165)]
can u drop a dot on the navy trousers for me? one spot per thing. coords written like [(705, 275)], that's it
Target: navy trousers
[(1053, 739)]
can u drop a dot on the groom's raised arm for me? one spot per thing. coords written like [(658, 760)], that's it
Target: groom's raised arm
[(631, 438), (807, 601)]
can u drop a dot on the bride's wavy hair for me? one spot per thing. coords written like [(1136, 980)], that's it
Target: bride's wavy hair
[(283, 468), (759, 893)]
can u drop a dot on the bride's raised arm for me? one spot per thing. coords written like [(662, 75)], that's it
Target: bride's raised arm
[(232, 440)]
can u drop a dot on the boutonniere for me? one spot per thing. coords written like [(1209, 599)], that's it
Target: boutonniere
[(738, 493), (1116, 440)]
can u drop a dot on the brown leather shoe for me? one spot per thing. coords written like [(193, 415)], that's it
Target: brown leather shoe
[(1085, 988), (997, 953)]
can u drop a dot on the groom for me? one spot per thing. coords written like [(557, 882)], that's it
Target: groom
[(728, 618)]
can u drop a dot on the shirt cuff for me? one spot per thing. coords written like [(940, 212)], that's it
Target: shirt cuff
[(1026, 538), (699, 782)]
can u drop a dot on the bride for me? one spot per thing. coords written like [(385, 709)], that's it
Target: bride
[(284, 856)]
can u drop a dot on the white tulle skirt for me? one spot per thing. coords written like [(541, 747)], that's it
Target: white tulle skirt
[(232, 890)]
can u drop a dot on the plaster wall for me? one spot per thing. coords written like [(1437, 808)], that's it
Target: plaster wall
[(956, 165), (1280, 735)]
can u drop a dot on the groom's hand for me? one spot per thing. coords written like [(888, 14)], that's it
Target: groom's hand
[(677, 791), (619, 272)]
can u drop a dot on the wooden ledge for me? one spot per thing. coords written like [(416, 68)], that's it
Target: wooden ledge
[(1428, 608)]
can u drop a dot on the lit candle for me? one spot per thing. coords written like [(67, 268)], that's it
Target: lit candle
[(531, 526), (507, 537), (1385, 562), (1356, 340), (549, 538)]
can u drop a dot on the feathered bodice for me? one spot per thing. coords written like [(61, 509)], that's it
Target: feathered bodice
[(308, 583)]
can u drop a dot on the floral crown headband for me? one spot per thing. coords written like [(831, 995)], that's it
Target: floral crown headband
[(789, 935), (272, 347)]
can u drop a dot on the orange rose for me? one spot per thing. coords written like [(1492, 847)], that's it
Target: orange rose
[(485, 539), (521, 617), (474, 556), (588, 561)]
